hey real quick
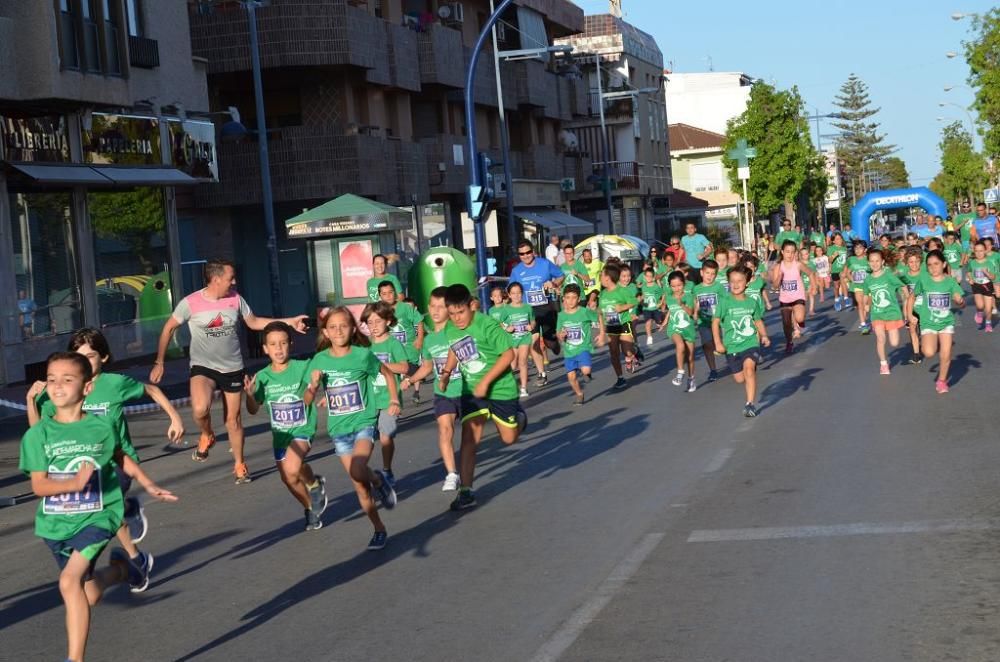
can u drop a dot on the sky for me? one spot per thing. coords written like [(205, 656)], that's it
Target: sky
[(897, 47)]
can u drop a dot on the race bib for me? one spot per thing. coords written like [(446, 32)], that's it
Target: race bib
[(439, 365), (938, 301), (612, 318), (725, 285), (789, 286), (344, 399), (521, 328), (979, 275), (574, 335), (707, 302), (400, 336), (466, 350), (537, 298), (88, 500), (285, 415), (859, 276)]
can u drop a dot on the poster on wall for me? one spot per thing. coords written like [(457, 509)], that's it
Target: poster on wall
[(355, 268)]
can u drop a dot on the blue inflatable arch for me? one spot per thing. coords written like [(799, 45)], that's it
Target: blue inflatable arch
[(920, 196)]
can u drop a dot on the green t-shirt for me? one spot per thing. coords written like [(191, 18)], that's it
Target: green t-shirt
[(790, 235), (982, 270), (520, 318), (817, 238), (497, 312), (405, 331), (477, 348), (964, 224), (953, 254), (755, 288), (280, 393), (389, 350), (995, 258), (737, 317), (107, 398), (58, 449), (574, 274), (374, 282), (934, 299), (578, 326), (883, 290), (652, 294), (679, 322), (633, 293), (609, 302), (435, 349), (838, 258), (347, 387), (858, 270), (707, 297)]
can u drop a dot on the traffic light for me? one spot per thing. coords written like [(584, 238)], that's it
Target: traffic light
[(485, 176)]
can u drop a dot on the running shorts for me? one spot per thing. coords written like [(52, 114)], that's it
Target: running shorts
[(227, 382)]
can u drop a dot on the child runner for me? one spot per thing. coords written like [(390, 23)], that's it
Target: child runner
[(722, 260), (937, 291), (379, 318), (707, 295), (625, 282), (682, 328), (652, 292), (838, 260), (857, 270), (519, 321), (498, 299), (447, 404), (380, 275), (881, 296), (913, 259), (408, 329), (822, 268), (573, 328), (70, 458), (954, 255), (593, 304), (757, 287), (787, 278), (344, 369), (811, 284), (738, 331), (982, 275), (482, 351), (616, 322), (279, 388), (108, 394)]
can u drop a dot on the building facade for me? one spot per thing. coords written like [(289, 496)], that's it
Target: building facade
[(702, 192), (97, 156), (632, 147), (707, 100), (365, 97)]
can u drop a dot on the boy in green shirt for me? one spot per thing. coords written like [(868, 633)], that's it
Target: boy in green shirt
[(707, 295), (483, 352), (573, 330), (615, 306), (838, 260), (681, 327), (279, 388), (70, 459), (738, 331), (652, 292), (954, 255)]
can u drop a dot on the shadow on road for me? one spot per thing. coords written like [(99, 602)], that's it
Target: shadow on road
[(787, 387)]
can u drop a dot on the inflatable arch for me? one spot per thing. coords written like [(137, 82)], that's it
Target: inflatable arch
[(920, 196)]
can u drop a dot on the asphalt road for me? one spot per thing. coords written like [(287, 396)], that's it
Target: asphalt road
[(858, 518)]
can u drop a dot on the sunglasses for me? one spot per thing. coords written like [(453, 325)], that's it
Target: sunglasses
[(523, 253)]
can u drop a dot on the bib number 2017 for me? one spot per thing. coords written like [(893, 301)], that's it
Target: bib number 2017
[(87, 500), (344, 399), (288, 414)]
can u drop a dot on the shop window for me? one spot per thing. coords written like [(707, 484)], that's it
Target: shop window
[(45, 264), (130, 257)]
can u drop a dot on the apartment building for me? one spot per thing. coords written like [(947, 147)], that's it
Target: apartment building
[(98, 156), (634, 150), (365, 97)]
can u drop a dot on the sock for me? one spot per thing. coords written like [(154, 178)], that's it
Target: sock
[(313, 485), (680, 372), (883, 363)]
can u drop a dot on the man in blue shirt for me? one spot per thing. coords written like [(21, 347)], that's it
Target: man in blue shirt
[(697, 247), (539, 278), (983, 225), (849, 235)]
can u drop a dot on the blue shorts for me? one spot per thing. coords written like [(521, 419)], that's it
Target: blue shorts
[(281, 451), (581, 360), (445, 406), (90, 542), (344, 444)]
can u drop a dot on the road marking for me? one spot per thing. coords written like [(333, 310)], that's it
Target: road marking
[(719, 460), (838, 530), (564, 637)]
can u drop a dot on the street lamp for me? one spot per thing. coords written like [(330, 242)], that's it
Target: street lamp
[(951, 54), (958, 16)]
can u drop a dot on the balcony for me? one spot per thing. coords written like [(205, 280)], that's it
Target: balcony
[(441, 56), (624, 175), (404, 58), (143, 53)]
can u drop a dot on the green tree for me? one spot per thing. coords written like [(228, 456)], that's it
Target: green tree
[(983, 55), (860, 145), (786, 165), (134, 217), (963, 169), (894, 174)]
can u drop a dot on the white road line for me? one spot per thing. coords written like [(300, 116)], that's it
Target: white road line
[(564, 637), (838, 530), (719, 460)]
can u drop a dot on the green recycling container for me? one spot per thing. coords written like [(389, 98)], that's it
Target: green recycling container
[(438, 267)]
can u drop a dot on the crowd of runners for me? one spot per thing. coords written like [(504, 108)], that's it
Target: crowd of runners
[(81, 461)]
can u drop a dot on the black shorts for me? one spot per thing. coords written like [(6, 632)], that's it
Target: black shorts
[(737, 360), (619, 329), (503, 412), (792, 304), (227, 382), (445, 406), (835, 277), (545, 318), (654, 315), (89, 541), (984, 289)]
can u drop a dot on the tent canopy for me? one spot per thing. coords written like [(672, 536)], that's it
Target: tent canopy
[(556, 221), (348, 214)]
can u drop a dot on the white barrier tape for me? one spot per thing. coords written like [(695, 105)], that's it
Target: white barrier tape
[(131, 409)]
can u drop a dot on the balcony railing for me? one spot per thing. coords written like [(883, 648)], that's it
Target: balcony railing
[(623, 174), (143, 52), (614, 109)]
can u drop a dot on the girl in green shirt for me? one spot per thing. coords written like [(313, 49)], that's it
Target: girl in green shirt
[(881, 290), (838, 259), (857, 271), (519, 321), (937, 292), (982, 276), (682, 329)]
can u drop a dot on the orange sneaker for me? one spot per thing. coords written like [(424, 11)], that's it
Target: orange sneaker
[(241, 472), (205, 442)]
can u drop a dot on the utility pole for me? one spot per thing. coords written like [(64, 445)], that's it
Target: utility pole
[(504, 144)]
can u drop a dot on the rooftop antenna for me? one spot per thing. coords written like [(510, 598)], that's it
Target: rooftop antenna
[(711, 66)]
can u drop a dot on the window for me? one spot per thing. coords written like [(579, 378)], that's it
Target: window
[(48, 290), (68, 47), (91, 37), (133, 18), (111, 49), (706, 176)]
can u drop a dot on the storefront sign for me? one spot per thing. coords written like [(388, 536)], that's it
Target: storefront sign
[(35, 138), (122, 140), (192, 148), (350, 225), (537, 193)]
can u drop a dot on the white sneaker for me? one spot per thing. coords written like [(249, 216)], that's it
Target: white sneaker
[(450, 483), (678, 380), (524, 392), (692, 387), (649, 340)]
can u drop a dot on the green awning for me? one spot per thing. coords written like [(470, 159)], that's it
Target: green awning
[(348, 214)]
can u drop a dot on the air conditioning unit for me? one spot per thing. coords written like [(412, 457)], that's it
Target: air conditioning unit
[(452, 14)]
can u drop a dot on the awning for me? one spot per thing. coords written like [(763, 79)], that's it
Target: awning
[(553, 219), (72, 173)]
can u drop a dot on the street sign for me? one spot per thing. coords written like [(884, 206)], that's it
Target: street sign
[(743, 173), (568, 184), (742, 154), (991, 196)]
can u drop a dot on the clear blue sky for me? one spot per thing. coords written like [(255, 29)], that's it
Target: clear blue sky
[(898, 49)]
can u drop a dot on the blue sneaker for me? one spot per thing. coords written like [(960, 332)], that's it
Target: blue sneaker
[(378, 541), (386, 494), (317, 497), (138, 568), (522, 420), (837, 305), (135, 519), (713, 375), (387, 474), (466, 499)]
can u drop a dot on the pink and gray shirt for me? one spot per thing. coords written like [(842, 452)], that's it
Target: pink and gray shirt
[(213, 323)]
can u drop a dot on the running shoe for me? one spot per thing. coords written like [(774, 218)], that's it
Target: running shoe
[(678, 380), (847, 304), (789, 347), (542, 380), (883, 369), (389, 476), (979, 317), (205, 442), (138, 568), (749, 410), (378, 541), (313, 521), (385, 492), (916, 359), (416, 397), (578, 400), (649, 341), (522, 420), (524, 393), (590, 376), (866, 329), (466, 499), (989, 328), (317, 497), (837, 305), (941, 386), (692, 387), (450, 482), (713, 375), (242, 473), (135, 519), (620, 383)]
